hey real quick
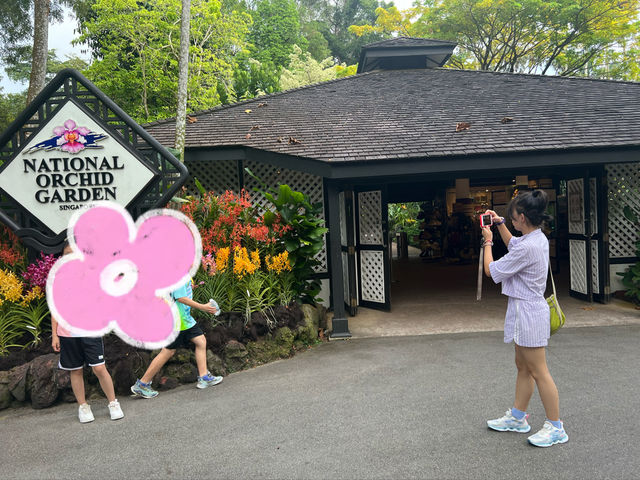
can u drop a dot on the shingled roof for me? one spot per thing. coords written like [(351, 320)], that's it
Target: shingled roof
[(401, 114)]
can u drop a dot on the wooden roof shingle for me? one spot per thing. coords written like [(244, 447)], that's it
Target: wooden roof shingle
[(395, 114)]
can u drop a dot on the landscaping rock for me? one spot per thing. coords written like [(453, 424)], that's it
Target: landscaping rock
[(165, 383), (62, 379), (127, 369), (183, 355), (284, 337), (182, 372), (18, 382), (216, 338), (43, 391), (308, 332), (312, 314), (235, 355), (215, 364), (5, 394)]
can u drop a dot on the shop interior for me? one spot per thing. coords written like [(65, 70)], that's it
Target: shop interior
[(435, 255)]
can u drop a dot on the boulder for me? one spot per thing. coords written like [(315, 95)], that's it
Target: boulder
[(215, 364), (182, 372), (5, 394), (127, 369), (284, 337), (307, 333), (18, 382), (235, 354), (43, 389), (183, 355), (62, 379), (162, 382)]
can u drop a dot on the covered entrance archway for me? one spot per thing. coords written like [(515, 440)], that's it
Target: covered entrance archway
[(440, 272)]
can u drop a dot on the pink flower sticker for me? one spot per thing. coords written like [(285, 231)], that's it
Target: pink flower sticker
[(120, 274)]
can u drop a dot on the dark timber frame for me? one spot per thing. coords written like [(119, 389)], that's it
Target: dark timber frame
[(349, 177)]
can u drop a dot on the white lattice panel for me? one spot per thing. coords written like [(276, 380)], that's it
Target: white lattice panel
[(578, 265), (372, 276), (595, 267), (623, 181), (593, 202), (575, 193), (343, 220), (218, 176), (370, 217), (306, 183)]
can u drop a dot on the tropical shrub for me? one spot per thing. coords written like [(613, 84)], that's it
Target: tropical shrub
[(22, 312), (12, 253), (304, 237)]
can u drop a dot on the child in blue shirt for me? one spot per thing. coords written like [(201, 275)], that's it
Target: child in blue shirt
[(189, 332)]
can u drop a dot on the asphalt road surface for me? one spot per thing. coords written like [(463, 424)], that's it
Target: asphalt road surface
[(388, 408)]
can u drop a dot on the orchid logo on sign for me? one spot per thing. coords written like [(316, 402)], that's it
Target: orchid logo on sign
[(70, 138)]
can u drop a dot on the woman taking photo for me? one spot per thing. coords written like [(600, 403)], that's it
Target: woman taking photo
[(523, 274)]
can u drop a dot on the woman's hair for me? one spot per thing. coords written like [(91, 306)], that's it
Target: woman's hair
[(533, 205)]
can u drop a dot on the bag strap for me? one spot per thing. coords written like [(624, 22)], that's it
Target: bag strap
[(553, 284)]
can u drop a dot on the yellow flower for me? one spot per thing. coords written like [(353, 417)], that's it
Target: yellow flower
[(10, 287), (222, 259), (255, 258), (279, 263), (35, 293)]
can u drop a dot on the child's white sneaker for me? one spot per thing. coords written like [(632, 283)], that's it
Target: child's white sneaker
[(85, 415), (115, 411)]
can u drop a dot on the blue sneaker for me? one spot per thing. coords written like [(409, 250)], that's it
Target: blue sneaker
[(208, 380), (509, 423), (548, 435), (143, 389)]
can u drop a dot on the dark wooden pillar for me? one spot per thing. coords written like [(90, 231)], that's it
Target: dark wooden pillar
[(340, 324)]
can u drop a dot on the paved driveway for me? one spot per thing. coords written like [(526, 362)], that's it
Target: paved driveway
[(394, 407)]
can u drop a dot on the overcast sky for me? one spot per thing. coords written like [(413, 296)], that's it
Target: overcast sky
[(61, 35)]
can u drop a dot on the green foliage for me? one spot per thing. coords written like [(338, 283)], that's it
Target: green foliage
[(403, 218), (304, 240), (252, 78), (135, 47), (533, 36), (303, 70), (275, 30), (11, 104), (18, 64), (631, 276), (33, 318)]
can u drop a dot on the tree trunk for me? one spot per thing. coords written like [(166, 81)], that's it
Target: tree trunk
[(183, 77), (40, 48)]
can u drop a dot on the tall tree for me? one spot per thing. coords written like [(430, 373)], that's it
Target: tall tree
[(183, 77), (534, 36), (17, 29), (275, 30), (41, 12), (136, 56)]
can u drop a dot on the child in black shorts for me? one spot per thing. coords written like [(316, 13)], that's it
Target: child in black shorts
[(190, 332), (75, 352)]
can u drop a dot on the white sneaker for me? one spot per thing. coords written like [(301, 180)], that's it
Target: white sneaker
[(115, 411), (509, 423), (85, 415), (548, 435)]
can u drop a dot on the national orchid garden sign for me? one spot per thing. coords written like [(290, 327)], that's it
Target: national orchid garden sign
[(71, 147)]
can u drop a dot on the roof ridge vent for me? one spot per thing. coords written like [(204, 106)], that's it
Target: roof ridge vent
[(405, 52)]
